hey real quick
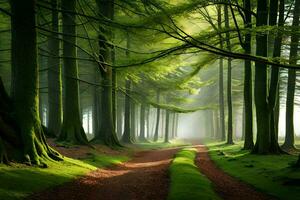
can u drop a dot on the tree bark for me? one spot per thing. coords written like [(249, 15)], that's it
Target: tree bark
[(30, 144), (274, 83), (248, 143), (289, 133), (221, 87), (72, 130), (229, 97), (54, 76), (262, 145), (107, 133)]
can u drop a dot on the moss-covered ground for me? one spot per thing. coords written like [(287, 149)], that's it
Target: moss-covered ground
[(272, 174), (187, 182), (18, 181)]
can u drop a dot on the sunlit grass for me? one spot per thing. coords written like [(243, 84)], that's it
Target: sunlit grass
[(161, 144), (271, 174), (19, 181), (186, 180)]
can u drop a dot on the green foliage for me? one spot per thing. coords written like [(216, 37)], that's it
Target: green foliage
[(271, 174), (186, 180)]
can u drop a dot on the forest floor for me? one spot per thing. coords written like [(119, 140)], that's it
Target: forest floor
[(225, 186), (144, 177), (270, 174)]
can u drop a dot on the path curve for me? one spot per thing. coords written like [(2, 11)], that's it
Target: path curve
[(226, 186), (145, 177)]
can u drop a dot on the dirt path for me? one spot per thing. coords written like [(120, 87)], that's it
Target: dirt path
[(143, 178), (226, 186)]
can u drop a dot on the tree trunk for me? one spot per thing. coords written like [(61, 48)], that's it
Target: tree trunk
[(133, 124), (23, 135), (167, 126), (229, 98), (126, 138), (120, 114), (96, 102), (289, 133), (221, 87), (157, 117), (274, 83), (54, 76), (72, 130), (107, 133), (262, 145), (248, 143), (142, 137)]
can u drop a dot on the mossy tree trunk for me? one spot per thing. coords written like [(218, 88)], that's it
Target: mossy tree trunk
[(22, 138), (290, 133), (54, 76), (72, 130)]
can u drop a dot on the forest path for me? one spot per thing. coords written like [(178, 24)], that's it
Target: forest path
[(145, 177), (226, 186)]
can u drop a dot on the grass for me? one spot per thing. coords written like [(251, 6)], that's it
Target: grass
[(186, 180), (161, 144), (19, 181), (271, 174)]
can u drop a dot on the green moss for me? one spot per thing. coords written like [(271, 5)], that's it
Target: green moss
[(101, 161), (186, 180), (18, 181), (271, 174)]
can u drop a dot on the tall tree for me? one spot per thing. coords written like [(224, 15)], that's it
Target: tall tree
[(72, 130), (248, 143), (262, 144), (273, 99), (221, 82), (229, 96), (290, 133), (24, 136), (107, 133), (54, 75)]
